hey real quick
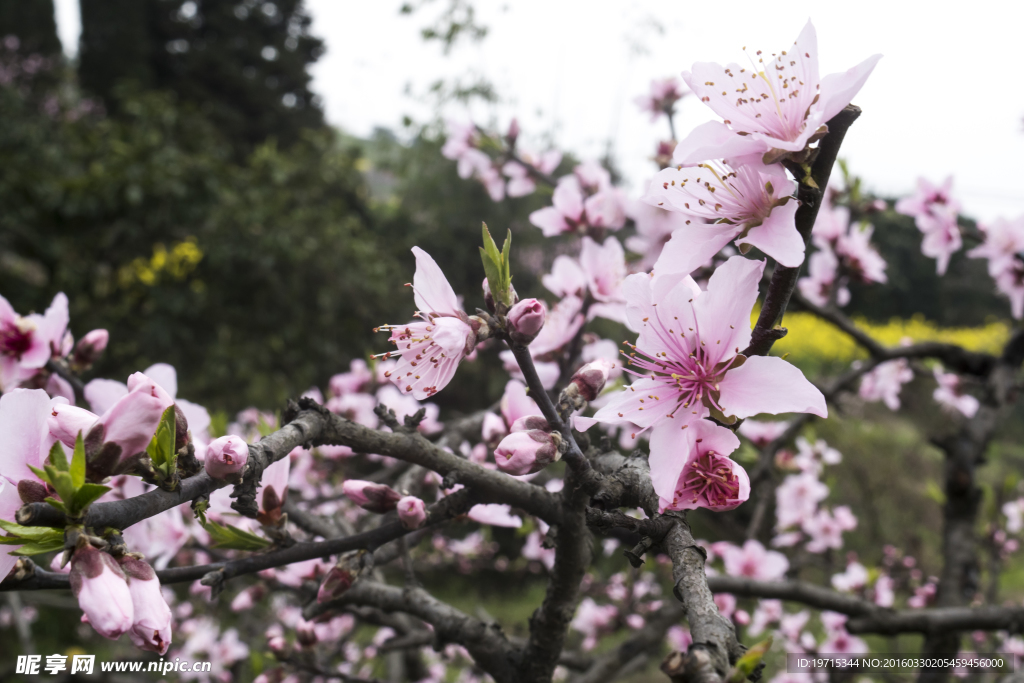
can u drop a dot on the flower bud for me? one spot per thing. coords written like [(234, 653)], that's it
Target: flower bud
[(32, 491), (67, 421), (488, 298), (412, 511), (377, 498), (89, 348), (591, 378), (528, 422), (225, 457), (341, 577), (525, 320), (305, 634), (102, 592), (527, 452), (151, 626), (493, 428), (181, 435)]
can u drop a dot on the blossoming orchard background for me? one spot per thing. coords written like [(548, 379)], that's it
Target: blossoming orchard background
[(208, 209)]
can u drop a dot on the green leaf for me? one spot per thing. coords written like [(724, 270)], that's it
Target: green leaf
[(85, 495), (77, 468), (57, 504), (62, 482), (747, 664), (506, 267), (935, 492), (42, 474), (233, 538), (57, 457), (38, 548), (32, 533), (161, 446)]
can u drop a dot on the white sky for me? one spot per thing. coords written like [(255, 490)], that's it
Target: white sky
[(939, 102)]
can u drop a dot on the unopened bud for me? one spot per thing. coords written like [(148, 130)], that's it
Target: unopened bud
[(527, 452), (513, 131), (412, 511), (488, 298), (591, 378), (225, 457), (341, 577), (525, 320), (90, 348), (181, 436), (528, 422), (305, 634), (32, 491), (377, 498)]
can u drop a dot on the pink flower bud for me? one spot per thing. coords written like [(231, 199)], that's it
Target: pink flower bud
[(102, 592), (338, 580), (525, 320), (488, 298), (513, 131), (591, 378), (66, 421), (151, 627), (493, 428), (528, 422), (131, 422), (377, 498), (527, 452), (412, 511), (90, 347), (226, 456)]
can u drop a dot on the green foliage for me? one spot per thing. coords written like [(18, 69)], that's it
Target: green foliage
[(244, 63), (232, 538), (68, 479), (161, 447), (497, 268), (254, 279), (748, 663), (34, 540)]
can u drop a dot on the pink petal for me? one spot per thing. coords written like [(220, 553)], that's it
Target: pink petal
[(550, 221), (690, 247), (839, 89), (714, 140), (23, 432), (432, 291), (10, 501), (568, 197), (766, 384), (671, 446), (48, 334), (777, 236), (165, 375), (723, 312), (103, 393)]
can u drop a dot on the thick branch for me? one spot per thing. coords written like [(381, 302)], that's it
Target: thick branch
[(784, 279)]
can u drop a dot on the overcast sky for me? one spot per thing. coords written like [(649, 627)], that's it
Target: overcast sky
[(945, 99)]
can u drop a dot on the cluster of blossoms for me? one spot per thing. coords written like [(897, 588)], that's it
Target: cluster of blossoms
[(510, 175)]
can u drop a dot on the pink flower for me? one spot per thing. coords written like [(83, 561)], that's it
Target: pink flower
[(826, 529), (492, 428), (567, 278), (810, 457), (573, 210), (225, 457), (950, 395), (1003, 247), (885, 381), (688, 362), (854, 578), (495, 514), (605, 269), (654, 227), (754, 561), (752, 204), (708, 478), (430, 350), (885, 593), (526, 319), (378, 498), (412, 511), (797, 498), (769, 109), (930, 200), (663, 95), (859, 256), (151, 625), (527, 452), (28, 342), (819, 286), (767, 612), (24, 432), (353, 381), (592, 619), (102, 592), (762, 433)]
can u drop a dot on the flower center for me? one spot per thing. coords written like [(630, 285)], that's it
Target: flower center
[(16, 338), (711, 477)]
